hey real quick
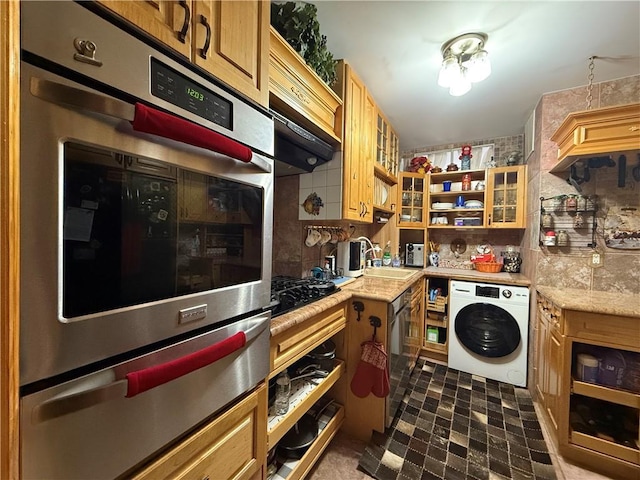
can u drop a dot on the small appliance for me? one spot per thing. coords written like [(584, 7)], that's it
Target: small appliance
[(351, 257), (414, 255)]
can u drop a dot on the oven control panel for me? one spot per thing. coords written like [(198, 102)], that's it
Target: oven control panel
[(177, 89)]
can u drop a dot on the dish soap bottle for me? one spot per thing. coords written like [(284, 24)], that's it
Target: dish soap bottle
[(283, 393), (386, 255)]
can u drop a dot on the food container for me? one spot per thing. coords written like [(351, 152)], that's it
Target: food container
[(611, 370), (587, 368), (550, 238), (432, 334), (563, 238)]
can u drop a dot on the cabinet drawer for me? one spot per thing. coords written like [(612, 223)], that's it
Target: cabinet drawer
[(551, 314), (294, 86), (606, 447), (290, 345), (233, 446), (608, 329)]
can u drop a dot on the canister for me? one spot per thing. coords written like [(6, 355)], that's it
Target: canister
[(547, 220), (550, 238), (571, 203), (587, 368), (562, 239), (466, 181), (611, 368)]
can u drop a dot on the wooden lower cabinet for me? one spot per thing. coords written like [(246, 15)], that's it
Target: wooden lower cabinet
[(232, 446), (287, 348), (595, 425)]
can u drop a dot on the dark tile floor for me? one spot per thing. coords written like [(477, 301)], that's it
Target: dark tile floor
[(454, 425)]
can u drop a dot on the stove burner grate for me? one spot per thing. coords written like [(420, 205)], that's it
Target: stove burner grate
[(289, 293)]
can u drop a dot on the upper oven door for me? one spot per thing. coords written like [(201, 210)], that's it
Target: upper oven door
[(129, 238)]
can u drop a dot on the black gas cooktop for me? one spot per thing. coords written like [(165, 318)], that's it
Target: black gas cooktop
[(289, 293)]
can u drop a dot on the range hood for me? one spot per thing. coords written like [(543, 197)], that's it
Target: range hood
[(297, 150), (594, 133)]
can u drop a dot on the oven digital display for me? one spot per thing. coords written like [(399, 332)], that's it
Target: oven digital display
[(176, 88)]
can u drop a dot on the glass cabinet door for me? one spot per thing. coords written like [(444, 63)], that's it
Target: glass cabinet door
[(412, 200), (506, 197)]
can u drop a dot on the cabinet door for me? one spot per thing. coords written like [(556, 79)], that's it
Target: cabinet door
[(542, 355), (412, 200), (554, 376), (167, 20), (193, 196), (506, 197), (232, 42), (354, 101), (367, 159)]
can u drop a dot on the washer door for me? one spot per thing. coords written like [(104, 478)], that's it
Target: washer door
[(487, 330)]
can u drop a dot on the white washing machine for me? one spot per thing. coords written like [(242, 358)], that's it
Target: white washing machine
[(489, 330)]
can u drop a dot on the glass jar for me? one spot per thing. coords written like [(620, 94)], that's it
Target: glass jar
[(547, 220), (466, 182), (581, 203), (562, 239), (571, 203), (578, 221), (590, 203), (550, 238)]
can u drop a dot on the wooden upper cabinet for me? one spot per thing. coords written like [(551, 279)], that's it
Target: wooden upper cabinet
[(356, 178), (506, 197), (229, 39), (167, 20), (232, 42)]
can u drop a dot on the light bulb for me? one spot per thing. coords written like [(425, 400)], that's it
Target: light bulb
[(461, 86), (479, 66), (449, 72)]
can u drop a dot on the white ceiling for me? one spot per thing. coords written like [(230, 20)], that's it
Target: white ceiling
[(535, 47)]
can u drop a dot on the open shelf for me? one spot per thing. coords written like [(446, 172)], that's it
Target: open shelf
[(304, 393), (605, 446), (608, 394)]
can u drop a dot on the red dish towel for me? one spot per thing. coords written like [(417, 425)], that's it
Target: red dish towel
[(150, 120), (372, 373), (148, 378)]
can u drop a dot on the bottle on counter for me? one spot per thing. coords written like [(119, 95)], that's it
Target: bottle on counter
[(395, 262), (386, 255), (283, 393)]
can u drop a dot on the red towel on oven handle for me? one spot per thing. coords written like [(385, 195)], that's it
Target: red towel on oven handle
[(150, 120), (372, 372), (148, 378)]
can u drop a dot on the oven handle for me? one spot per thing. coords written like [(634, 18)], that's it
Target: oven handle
[(145, 119), (146, 378)]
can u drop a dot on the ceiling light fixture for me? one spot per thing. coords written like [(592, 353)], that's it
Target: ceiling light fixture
[(464, 61)]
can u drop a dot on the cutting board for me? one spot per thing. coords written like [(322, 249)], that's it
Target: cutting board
[(622, 228)]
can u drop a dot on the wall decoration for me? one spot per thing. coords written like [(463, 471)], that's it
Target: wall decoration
[(312, 204), (622, 228)]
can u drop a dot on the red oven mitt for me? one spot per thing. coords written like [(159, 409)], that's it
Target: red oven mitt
[(372, 373)]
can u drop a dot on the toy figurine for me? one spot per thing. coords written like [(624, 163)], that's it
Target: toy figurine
[(419, 165), (465, 157)]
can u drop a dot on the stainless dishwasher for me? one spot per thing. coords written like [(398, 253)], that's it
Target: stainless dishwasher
[(400, 364)]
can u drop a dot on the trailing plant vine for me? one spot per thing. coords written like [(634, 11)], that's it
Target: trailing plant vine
[(298, 24)]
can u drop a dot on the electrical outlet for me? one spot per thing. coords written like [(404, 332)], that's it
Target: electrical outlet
[(597, 259)]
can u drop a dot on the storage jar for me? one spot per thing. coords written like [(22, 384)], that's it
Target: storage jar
[(587, 368), (562, 239), (547, 220), (466, 181), (571, 203), (550, 238)]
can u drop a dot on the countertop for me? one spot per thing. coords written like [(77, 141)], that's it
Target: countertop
[(386, 290), (475, 276), (609, 303)]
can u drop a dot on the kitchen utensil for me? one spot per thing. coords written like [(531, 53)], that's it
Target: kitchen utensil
[(442, 205), (460, 201), (295, 442), (446, 186), (622, 170), (635, 172), (323, 355), (313, 237)]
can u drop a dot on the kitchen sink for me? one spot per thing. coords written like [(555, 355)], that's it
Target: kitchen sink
[(389, 272)]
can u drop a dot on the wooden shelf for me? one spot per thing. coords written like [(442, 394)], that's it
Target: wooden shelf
[(605, 446), (278, 425), (435, 347), (388, 177), (608, 394)]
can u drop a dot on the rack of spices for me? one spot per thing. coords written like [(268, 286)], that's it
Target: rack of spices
[(568, 221)]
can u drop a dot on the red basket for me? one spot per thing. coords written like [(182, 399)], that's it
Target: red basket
[(487, 263)]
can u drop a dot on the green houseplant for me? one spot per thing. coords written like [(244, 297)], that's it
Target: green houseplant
[(297, 22)]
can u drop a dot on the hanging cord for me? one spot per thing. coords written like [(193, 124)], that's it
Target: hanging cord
[(590, 77)]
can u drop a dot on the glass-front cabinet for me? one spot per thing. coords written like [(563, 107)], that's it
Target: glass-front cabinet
[(412, 200), (506, 197)]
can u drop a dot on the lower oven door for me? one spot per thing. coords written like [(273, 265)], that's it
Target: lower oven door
[(103, 425), (399, 356)]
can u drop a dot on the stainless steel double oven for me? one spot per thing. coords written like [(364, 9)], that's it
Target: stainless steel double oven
[(146, 214)]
